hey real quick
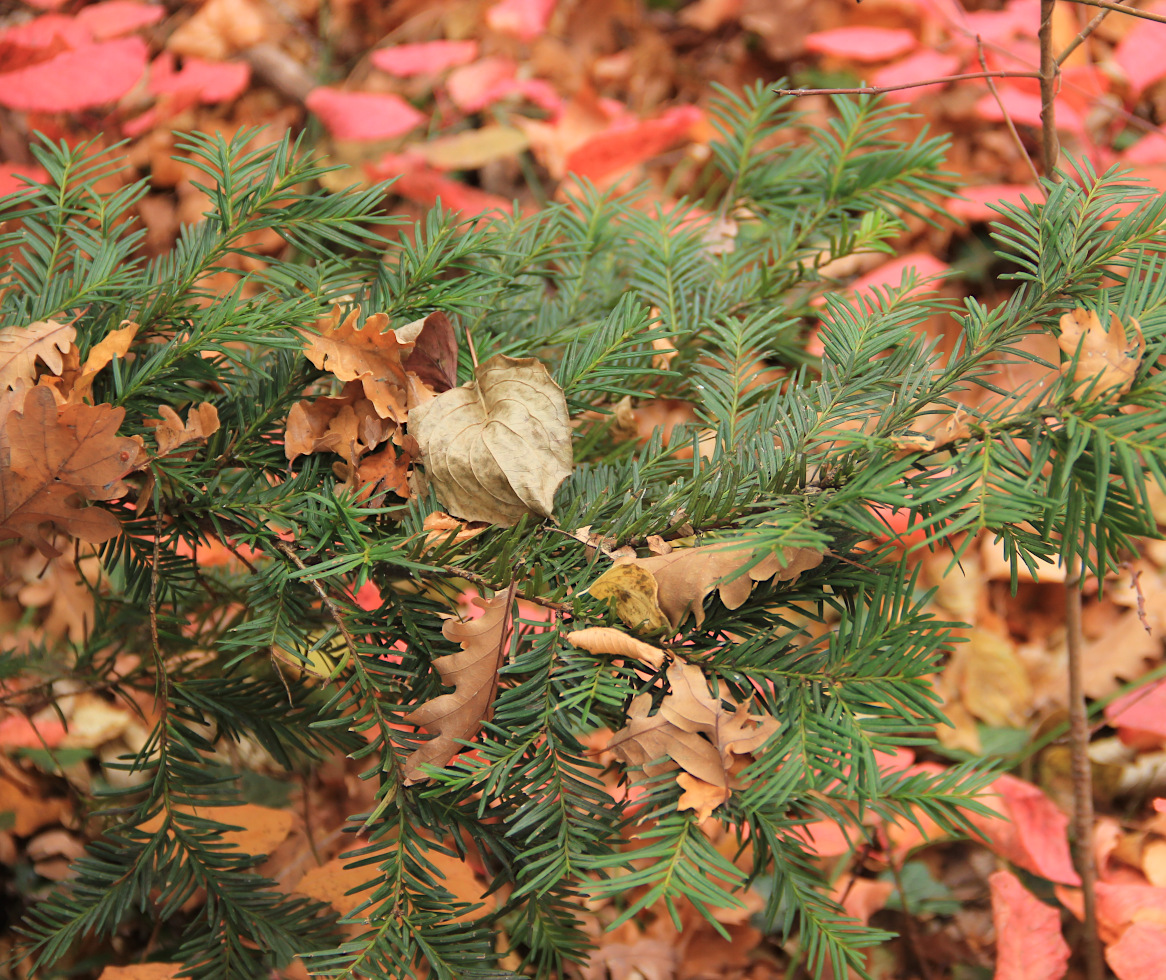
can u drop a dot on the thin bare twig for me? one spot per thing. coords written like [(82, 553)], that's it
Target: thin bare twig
[(1081, 768), (559, 607), (333, 609), (882, 89), (1007, 118), (1084, 33), (1118, 8), (1049, 72)]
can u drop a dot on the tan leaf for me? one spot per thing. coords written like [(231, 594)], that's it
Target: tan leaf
[(700, 796), (495, 449), (347, 425), (693, 730), (49, 457), (614, 643), (473, 673), (438, 524), (201, 421), (687, 575), (383, 471), (115, 344), (21, 346), (1107, 358), (368, 354), (434, 356), (995, 685), (142, 971), (474, 148), (635, 594)]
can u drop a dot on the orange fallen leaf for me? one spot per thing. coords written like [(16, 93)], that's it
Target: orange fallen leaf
[(1107, 360), (169, 431)]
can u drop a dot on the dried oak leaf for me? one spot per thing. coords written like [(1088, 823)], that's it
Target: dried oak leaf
[(473, 672), (693, 730), (1107, 359), (115, 344), (21, 346), (347, 425), (438, 524), (496, 448), (615, 643), (49, 457), (169, 431), (368, 354), (687, 575), (434, 356)]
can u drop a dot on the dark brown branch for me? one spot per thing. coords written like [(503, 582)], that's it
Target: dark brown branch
[(1084, 33), (1050, 141), (1119, 8)]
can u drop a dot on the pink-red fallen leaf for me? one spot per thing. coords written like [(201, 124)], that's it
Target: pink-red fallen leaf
[(523, 19), (1141, 714), (976, 207), (1023, 108), (1029, 944), (1030, 831), (1139, 53), (891, 273), (423, 185), (44, 31), (426, 58), (211, 81), (363, 115), (997, 26), (113, 18), (1140, 952), (368, 596), (473, 87), (917, 67), (861, 898), (1150, 149), (825, 838), (90, 76), (1159, 805), (622, 147), (17, 732), (862, 43), (1118, 906), (10, 181), (46, 4)]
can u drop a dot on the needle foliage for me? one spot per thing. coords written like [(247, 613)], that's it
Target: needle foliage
[(808, 456)]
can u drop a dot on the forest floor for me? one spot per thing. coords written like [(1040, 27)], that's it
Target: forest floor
[(480, 104)]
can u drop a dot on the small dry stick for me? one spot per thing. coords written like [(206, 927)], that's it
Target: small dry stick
[(1080, 38), (1130, 11), (470, 345), (1050, 142), (882, 89), (1007, 118), (1081, 768)]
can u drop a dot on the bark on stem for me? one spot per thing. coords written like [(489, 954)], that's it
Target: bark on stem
[(1050, 144)]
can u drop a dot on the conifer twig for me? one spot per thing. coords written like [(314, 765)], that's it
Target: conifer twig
[(1081, 767)]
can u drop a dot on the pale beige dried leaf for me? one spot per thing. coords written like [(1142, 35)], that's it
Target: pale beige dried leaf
[(115, 344), (1107, 358), (654, 744), (686, 576), (49, 457), (615, 643), (665, 352), (700, 796), (473, 673), (20, 347), (496, 449), (994, 686), (368, 354), (201, 421), (657, 545), (635, 594), (692, 708), (474, 148)]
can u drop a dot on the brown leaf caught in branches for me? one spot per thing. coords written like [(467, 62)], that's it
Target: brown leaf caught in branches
[(115, 344), (456, 717), (347, 425), (20, 347), (434, 356), (693, 730), (1108, 359), (49, 457), (368, 354), (686, 576), (201, 421), (496, 448)]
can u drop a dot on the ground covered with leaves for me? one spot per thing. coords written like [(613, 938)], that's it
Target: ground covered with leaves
[(491, 106)]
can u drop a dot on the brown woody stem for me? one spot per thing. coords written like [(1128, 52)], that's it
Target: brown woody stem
[(1050, 142)]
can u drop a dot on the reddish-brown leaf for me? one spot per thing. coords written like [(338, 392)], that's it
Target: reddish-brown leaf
[(49, 458), (1029, 944), (363, 115), (90, 76), (473, 673), (427, 58)]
